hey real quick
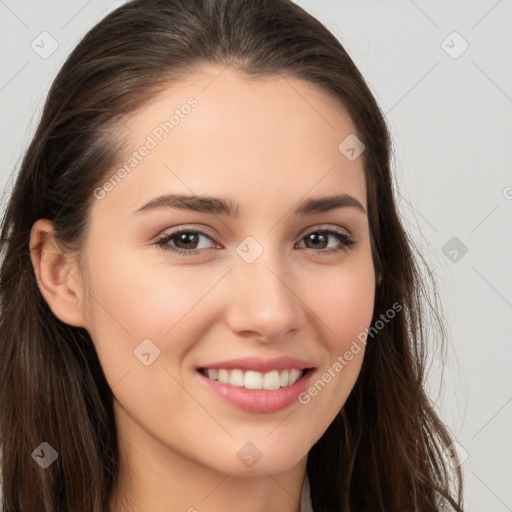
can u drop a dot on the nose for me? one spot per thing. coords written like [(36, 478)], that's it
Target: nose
[(265, 299)]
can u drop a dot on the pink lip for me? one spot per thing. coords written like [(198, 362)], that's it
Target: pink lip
[(261, 365), (258, 400)]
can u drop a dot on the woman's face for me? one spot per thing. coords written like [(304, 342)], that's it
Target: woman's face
[(259, 283)]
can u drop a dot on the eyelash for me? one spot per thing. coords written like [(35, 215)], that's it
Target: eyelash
[(347, 241)]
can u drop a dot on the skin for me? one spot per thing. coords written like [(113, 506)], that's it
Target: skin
[(266, 144)]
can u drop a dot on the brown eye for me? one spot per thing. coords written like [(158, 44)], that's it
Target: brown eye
[(319, 240), (185, 241)]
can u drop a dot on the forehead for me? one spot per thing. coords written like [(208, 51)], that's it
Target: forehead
[(218, 130)]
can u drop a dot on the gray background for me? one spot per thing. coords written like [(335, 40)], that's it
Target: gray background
[(450, 118)]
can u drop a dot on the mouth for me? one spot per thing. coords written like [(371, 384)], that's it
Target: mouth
[(254, 380)]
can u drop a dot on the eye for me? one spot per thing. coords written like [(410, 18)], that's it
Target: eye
[(320, 236), (186, 241), (184, 237)]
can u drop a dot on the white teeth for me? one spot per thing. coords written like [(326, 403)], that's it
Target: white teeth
[(213, 374), (294, 376), (271, 380), (224, 376), (255, 380), (236, 378)]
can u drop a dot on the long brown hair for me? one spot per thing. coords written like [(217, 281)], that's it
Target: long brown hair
[(384, 450)]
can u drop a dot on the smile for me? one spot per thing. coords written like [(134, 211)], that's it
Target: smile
[(260, 392), (268, 381)]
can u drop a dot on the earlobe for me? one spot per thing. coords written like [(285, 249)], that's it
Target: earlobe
[(56, 274)]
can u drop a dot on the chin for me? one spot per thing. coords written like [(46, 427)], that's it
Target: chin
[(259, 458)]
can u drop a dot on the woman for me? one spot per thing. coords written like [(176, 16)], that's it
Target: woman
[(175, 334)]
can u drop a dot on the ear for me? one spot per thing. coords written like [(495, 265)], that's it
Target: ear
[(57, 274)]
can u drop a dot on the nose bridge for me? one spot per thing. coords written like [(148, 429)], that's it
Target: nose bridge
[(263, 299)]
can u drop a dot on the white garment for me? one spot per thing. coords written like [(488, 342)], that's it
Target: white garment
[(305, 498)]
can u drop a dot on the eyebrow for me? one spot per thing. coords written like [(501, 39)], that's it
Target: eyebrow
[(220, 206)]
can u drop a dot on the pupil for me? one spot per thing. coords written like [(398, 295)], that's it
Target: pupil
[(314, 236), (183, 237)]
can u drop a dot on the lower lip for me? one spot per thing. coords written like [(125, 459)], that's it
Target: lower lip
[(258, 400)]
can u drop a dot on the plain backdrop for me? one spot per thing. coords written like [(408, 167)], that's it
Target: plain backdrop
[(441, 72)]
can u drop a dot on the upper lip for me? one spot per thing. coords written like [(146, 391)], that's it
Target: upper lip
[(261, 365)]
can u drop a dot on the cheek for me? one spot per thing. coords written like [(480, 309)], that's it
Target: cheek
[(344, 300), (343, 306), (352, 311), (129, 304)]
